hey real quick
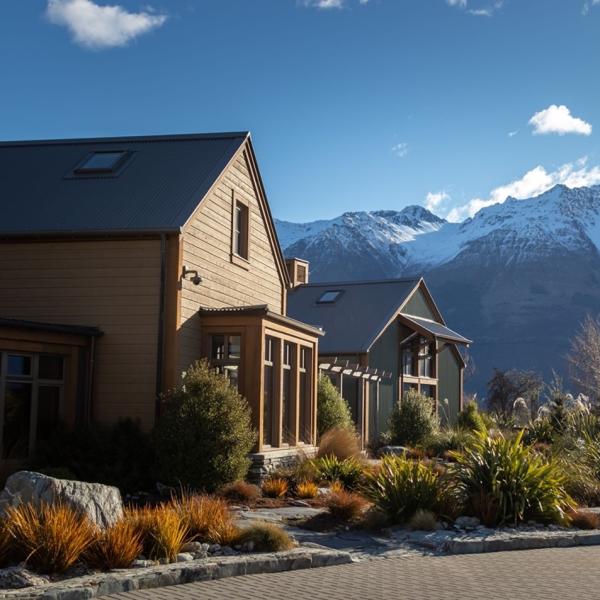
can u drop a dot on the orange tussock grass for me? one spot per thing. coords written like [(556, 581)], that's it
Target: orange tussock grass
[(275, 488), (51, 537), (346, 506), (339, 442), (240, 491), (116, 547), (307, 489)]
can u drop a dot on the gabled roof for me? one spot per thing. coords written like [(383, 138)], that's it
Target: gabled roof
[(161, 183), (356, 319), (362, 311)]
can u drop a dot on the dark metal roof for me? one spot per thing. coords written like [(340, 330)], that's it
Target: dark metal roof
[(52, 327), (263, 311), (354, 321), (435, 329), (160, 185)]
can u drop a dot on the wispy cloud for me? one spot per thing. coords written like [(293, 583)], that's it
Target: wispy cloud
[(513, 133), (328, 4), (487, 10), (434, 200), (558, 119), (588, 4), (536, 181), (400, 150), (97, 27)]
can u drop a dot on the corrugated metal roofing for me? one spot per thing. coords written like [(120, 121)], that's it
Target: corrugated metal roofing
[(358, 316), (160, 185), (436, 329)]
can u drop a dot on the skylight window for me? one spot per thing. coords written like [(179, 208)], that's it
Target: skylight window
[(329, 297), (101, 162)]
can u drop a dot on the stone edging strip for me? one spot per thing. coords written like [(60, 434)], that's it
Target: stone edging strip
[(505, 541), (126, 580)]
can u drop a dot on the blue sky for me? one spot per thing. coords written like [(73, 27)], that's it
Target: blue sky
[(352, 104)]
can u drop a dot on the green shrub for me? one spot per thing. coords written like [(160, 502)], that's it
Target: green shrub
[(265, 537), (204, 433), (402, 486), (470, 419), (505, 481), (442, 442), (413, 420), (121, 455), (348, 472), (332, 410), (539, 431), (423, 520)]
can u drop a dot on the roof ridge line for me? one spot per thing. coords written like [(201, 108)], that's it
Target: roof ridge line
[(181, 137), (359, 282)]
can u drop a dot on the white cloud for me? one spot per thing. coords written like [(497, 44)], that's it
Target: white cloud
[(481, 11), (400, 150), (558, 119), (513, 133), (327, 4), (534, 182), (588, 4), (434, 199), (94, 26)]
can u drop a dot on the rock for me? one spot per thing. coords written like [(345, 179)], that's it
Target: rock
[(301, 503), (142, 563), (193, 547), (184, 557), (102, 504), (467, 522), (214, 548), (20, 577), (392, 450)]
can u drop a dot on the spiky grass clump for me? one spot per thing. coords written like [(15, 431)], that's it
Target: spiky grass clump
[(163, 530), (504, 481), (348, 471), (401, 486), (240, 491), (266, 537), (116, 547), (51, 537), (275, 487), (346, 506), (307, 490), (207, 518)]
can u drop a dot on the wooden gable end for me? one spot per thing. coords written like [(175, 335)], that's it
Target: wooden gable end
[(420, 303)]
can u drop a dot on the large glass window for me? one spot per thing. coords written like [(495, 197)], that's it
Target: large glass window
[(408, 355), (425, 359), (289, 395), (225, 357), (269, 390), (31, 389)]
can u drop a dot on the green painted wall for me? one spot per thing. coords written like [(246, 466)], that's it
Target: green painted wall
[(384, 356), (417, 306), (449, 383)]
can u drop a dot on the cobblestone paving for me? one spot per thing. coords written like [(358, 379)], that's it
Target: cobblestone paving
[(524, 575)]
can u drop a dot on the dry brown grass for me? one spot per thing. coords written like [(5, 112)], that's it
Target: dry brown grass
[(266, 537), (584, 519), (275, 487), (208, 519), (51, 538), (162, 529), (307, 490), (336, 487), (339, 442), (346, 506), (116, 547), (240, 491)]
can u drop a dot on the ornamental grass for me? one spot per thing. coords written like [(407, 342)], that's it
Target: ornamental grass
[(275, 487), (51, 538), (346, 506), (307, 490), (116, 547), (207, 518), (265, 537)]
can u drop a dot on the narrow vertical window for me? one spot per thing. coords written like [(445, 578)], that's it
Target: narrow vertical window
[(305, 395), (226, 356), (289, 396), (425, 359), (269, 390), (240, 229)]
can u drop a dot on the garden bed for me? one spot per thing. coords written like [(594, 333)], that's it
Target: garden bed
[(125, 580)]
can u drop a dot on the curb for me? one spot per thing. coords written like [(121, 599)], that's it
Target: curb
[(95, 586), (479, 545)]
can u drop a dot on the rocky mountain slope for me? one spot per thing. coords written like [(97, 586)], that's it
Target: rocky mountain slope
[(518, 277)]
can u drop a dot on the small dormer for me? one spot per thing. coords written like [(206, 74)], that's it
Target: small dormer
[(298, 270)]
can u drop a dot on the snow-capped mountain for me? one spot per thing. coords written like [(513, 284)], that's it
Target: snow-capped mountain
[(518, 277)]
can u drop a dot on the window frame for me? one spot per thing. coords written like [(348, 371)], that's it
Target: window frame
[(338, 295), (36, 382), (240, 233), (81, 170), (220, 364)]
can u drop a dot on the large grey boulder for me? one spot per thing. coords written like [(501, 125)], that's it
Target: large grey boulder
[(102, 504)]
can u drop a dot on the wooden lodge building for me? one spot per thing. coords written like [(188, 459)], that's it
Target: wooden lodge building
[(382, 338), (123, 261)]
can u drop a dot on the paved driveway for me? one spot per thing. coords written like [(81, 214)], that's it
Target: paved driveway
[(525, 575)]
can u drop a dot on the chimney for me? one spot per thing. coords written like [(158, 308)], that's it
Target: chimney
[(298, 270)]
